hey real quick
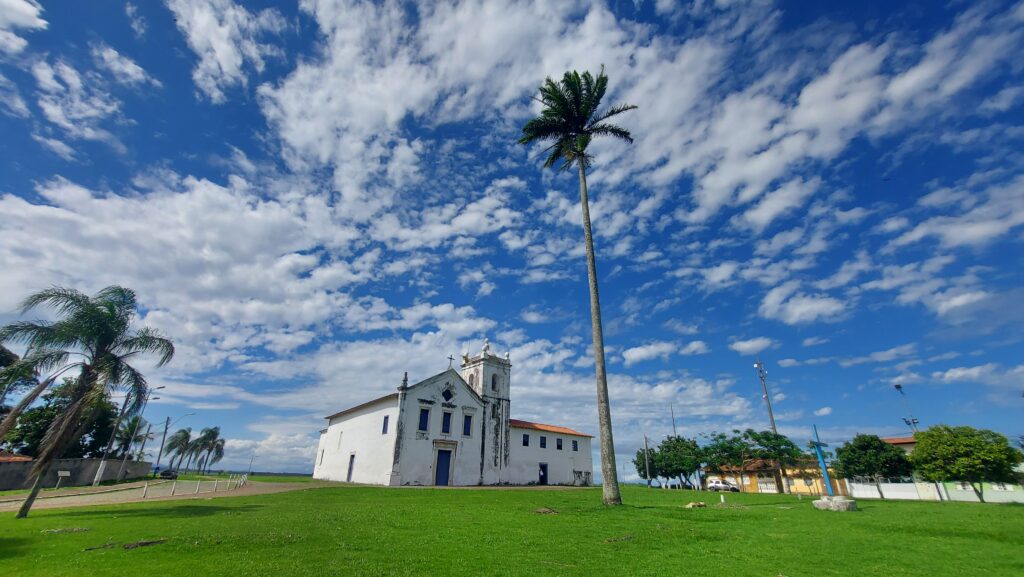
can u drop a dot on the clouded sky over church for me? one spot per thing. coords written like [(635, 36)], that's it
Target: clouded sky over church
[(314, 197)]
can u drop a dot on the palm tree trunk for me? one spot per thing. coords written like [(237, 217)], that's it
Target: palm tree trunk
[(610, 487), (37, 486)]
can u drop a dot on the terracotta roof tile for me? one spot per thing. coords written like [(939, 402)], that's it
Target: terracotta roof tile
[(899, 440), (516, 423)]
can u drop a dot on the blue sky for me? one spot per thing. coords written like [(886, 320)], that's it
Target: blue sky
[(314, 198)]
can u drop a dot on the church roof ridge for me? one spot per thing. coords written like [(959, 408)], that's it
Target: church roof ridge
[(519, 424), (363, 405)]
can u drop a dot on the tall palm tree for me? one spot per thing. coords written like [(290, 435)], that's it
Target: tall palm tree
[(570, 119), (215, 453), (208, 441), (92, 335), (177, 445)]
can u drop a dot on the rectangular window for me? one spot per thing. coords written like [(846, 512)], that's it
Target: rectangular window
[(321, 457), (446, 423), (424, 419), (526, 440), (467, 425), (543, 442), (384, 431), (558, 444), (576, 446)]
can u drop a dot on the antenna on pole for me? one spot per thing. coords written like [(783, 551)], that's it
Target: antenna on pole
[(762, 374), (673, 411)]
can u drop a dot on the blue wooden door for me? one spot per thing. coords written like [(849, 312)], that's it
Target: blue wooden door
[(444, 462), (543, 480)]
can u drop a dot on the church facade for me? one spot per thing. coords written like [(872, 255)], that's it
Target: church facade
[(454, 428)]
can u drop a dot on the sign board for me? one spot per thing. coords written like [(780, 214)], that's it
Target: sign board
[(63, 473)]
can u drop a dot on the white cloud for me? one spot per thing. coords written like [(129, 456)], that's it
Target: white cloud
[(227, 38), (752, 346), (76, 104), (137, 22), (814, 341), (823, 412), (848, 272), (11, 102), (695, 348), (787, 304), (778, 202), (58, 147), (18, 14), (786, 363), (122, 68), (679, 327), (882, 356), (658, 349)]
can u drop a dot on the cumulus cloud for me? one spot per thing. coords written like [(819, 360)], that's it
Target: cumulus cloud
[(823, 412), (752, 346), (123, 69), (655, 350), (884, 356), (76, 104), (695, 348), (20, 15), (788, 304), (228, 39)]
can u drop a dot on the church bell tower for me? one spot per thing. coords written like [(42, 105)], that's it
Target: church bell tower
[(490, 375)]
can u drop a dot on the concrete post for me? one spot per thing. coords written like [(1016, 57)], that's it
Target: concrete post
[(145, 489), (173, 484)]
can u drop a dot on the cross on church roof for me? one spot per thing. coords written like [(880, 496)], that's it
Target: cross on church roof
[(451, 360)]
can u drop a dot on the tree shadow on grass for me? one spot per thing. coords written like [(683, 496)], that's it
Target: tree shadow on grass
[(169, 511)]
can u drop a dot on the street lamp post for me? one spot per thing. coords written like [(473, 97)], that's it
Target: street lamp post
[(113, 434), (911, 421)]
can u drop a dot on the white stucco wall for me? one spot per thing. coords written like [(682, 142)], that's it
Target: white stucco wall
[(418, 450), (359, 433), (524, 465)]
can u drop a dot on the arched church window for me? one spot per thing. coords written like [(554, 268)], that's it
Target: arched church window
[(472, 379), (494, 382)]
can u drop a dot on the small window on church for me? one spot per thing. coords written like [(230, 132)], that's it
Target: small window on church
[(543, 442), (472, 379), (447, 395), (446, 423), (467, 425), (576, 446), (558, 444), (494, 411), (424, 419), (494, 382), (526, 440), (384, 430)]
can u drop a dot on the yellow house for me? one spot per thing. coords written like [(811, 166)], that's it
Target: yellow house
[(759, 476)]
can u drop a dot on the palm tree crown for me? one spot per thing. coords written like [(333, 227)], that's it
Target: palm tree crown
[(93, 335), (571, 119)]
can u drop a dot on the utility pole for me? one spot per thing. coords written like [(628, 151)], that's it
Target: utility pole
[(253, 457), (762, 374), (673, 411), (647, 464), (167, 425), (911, 422)]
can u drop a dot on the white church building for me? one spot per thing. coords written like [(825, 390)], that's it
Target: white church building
[(453, 428)]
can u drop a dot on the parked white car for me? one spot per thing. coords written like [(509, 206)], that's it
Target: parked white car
[(720, 485)]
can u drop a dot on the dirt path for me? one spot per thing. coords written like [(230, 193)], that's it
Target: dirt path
[(161, 492)]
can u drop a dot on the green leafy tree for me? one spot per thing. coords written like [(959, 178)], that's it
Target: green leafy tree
[(26, 437), (570, 119), (647, 468), (93, 336), (945, 453), (15, 374), (869, 456), (678, 458), (728, 451)]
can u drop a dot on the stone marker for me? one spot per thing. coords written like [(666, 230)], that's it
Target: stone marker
[(837, 503)]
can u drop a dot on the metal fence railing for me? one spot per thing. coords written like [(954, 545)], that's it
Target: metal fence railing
[(178, 487)]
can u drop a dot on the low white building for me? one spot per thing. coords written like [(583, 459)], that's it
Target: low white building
[(453, 428)]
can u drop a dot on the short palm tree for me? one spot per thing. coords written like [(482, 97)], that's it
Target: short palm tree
[(92, 335), (570, 119), (130, 434)]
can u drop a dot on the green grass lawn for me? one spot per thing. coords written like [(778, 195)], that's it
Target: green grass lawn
[(376, 531)]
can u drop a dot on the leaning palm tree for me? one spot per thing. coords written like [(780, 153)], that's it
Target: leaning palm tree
[(215, 453), (206, 443), (92, 335), (571, 117), (130, 434), (177, 445)]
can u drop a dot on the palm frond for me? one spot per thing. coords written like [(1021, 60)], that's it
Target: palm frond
[(611, 130), (147, 340), (612, 111), (65, 301)]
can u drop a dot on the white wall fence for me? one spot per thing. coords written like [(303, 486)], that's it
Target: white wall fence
[(177, 488), (914, 491)]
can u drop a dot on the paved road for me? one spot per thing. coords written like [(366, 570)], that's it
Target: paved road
[(132, 493)]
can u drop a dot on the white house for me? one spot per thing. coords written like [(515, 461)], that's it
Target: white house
[(451, 429)]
